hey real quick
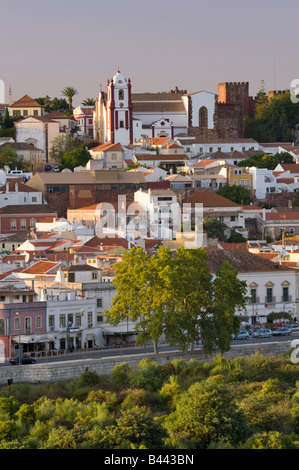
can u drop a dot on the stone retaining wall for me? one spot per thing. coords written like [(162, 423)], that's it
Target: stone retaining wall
[(69, 370)]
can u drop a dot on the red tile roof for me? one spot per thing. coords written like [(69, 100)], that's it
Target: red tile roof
[(25, 102), (109, 146)]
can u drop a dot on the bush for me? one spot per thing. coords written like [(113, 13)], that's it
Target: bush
[(88, 379)]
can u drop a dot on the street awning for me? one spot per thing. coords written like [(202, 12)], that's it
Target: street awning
[(119, 330), (39, 338)]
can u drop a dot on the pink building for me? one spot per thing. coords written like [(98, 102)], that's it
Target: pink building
[(22, 322)]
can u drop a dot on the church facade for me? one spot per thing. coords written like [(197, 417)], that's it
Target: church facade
[(121, 116)]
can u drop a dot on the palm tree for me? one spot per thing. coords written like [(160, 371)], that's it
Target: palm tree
[(88, 102), (69, 92)]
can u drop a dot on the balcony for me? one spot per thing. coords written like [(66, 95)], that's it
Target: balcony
[(286, 298), (270, 300)]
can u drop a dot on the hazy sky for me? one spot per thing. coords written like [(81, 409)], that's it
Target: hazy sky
[(192, 44)]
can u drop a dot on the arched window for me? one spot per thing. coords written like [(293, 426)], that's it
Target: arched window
[(121, 94), (203, 120), (32, 223)]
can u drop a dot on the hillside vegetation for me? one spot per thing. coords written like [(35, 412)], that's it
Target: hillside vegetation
[(237, 403)]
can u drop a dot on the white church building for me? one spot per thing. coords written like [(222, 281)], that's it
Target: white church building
[(124, 117)]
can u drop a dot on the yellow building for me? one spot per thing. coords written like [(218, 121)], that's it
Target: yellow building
[(111, 156), (239, 176), (25, 107)]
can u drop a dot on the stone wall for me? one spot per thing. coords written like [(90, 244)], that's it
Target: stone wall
[(70, 370)]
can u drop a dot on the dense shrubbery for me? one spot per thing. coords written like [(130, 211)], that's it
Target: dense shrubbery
[(225, 404)]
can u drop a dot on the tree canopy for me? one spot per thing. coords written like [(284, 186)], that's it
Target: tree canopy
[(177, 296), (267, 161), (9, 157), (275, 119), (237, 194), (77, 157), (55, 104)]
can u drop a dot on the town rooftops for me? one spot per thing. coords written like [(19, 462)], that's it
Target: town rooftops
[(58, 115), (14, 186)]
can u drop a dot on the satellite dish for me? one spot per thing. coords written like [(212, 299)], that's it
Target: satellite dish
[(66, 170), (27, 258)]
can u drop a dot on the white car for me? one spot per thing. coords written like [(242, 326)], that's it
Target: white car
[(263, 333)]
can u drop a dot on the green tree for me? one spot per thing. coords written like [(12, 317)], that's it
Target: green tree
[(9, 157), (69, 92), (237, 194), (275, 119), (63, 144), (88, 102), (77, 157), (205, 413), (8, 123), (176, 295), (267, 161), (215, 228)]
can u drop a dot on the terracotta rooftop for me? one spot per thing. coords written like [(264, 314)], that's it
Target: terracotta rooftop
[(108, 147), (25, 102), (41, 267), (209, 199), (13, 186), (242, 261)]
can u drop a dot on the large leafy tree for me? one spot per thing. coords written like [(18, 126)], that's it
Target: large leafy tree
[(69, 92), (62, 144), (77, 157), (176, 295), (275, 119), (9, 157), (237, 194), (55, 104), (215, 228), (267, 161)]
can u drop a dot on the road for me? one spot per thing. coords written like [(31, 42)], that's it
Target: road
[(100, 353)]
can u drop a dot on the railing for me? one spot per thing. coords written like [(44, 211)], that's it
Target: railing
[(286, 298), (270, 300)]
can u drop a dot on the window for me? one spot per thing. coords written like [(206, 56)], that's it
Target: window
[(51, 320), (2, 327), (32, 223), (34, 199), (23, 224), (113, 156), (94, 275), (89, 319), (269, 297), (121, 94), (121, 124), (78, 319), (285, 294), (203, 120), (253, 296), (99, 303), (25, 112), (38, 322), (13, 224), (28, 325), (233, 218), (35, 113), (62, 321), (70, 319), (99, 318)]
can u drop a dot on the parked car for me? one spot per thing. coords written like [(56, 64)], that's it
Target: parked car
[(294, 327), (47, 167), (24, 360), (242, 335), (56, 169), (282, 331), (263, 333)]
